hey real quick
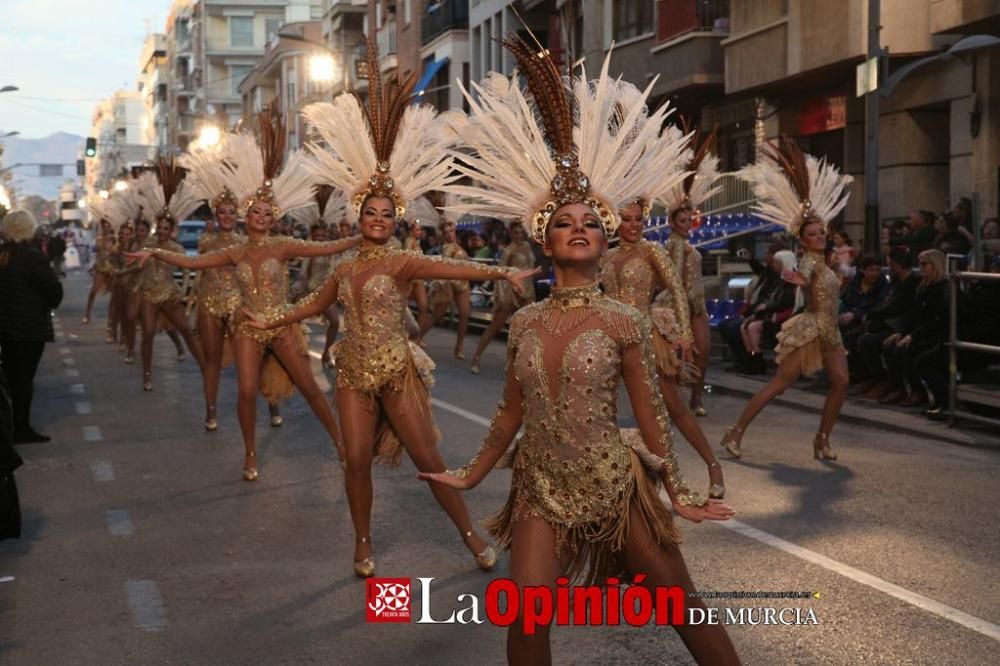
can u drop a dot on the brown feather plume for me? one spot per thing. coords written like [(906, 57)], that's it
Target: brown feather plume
[(792, 161), (322, 193), (169, 175), (386, 104), (702, 148), (546, 86), (271, 137)]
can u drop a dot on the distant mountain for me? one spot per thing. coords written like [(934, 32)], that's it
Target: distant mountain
[(58, 148)]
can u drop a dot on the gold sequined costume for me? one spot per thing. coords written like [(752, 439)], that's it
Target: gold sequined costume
[(445, 291), (573, 467), (815, 331), (519, 255), (687, 259), (634, 273), (218, 289), (156, 282), (104, 262)]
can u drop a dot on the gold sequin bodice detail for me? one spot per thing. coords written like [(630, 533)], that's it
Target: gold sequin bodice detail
[(263, 282), (105, 254), (156, 283), (687, 260), (375, 346), (628, 277), (823, 300), (454, 251), (218, 289)]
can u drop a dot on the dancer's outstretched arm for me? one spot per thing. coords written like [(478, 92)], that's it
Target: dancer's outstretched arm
[(290, 248), (216, 259), (440, 268), (503, 428)]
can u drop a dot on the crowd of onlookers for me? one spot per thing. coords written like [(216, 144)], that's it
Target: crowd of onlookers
[(894, 309)]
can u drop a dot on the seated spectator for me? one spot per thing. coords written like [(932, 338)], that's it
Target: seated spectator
[(844, 255), (756, 296), (865, 291), (922, 234), (478, 249), (990, 239), (925, 326), (978, 321), (761, 327), (883, 320), (954, 239)]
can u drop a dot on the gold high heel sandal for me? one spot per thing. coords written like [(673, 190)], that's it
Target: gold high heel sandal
[(211, 423), (474, 368), (366, 567), (716, 490), (250, 474), (147, 381), (486, 559), (731, 441), (821, 447)]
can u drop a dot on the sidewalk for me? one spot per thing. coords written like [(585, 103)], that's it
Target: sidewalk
[(866, 412)]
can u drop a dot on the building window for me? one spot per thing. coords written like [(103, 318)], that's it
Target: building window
[(241, 31), (632, 18), (291, 101), (236, 75), (272, 26), (406, 11)]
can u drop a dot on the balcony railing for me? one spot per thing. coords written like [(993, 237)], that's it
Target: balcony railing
[(386, 38), (679, 17), (442, 17)]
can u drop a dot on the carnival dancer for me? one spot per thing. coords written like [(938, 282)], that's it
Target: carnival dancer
[(803, 193), (583, 502), (103, 268), (265, 193), (442, 294), (384, 155)]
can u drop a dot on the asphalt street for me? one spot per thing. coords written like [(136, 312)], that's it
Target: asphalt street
[(143, 545)]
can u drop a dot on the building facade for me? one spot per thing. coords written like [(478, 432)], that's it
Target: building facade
[(153, 85), (117, 126)]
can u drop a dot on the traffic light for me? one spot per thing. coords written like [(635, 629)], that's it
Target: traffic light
[(91, 149), (81, 168)]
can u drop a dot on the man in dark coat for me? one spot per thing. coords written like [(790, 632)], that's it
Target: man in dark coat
[(29, 291)]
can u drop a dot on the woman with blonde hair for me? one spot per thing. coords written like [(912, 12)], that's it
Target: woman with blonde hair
[(924, 326), (803, 194)]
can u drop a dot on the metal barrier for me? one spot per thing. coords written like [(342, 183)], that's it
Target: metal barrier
[(955, 345)]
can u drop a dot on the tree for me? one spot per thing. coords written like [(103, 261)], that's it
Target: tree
[(39, 207)]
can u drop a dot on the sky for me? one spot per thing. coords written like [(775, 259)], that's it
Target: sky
[(67, 55)]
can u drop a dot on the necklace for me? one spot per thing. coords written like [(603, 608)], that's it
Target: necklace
[(568, 307)]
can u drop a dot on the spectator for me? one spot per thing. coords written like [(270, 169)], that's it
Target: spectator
[(978, 321), (478, 248), (844, 255), (865, 291), (765, 279), (29, 290), (925, 326), (922, 234), (10, 508), (57, 254), (431, 243), (346, 229), (883, 320), (990, 239), (954, 239), (762, 327)]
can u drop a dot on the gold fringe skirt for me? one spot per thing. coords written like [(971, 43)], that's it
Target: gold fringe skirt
[(802, 332), (595, 548)]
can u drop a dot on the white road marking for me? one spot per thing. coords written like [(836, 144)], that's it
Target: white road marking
[(92, 433), (64, 350), (913, 598), (119, 522), (73, 336), (77, 389), (146, 604), (72, 372), (6, 579), (102, 470), (82, 407), (68, 361)]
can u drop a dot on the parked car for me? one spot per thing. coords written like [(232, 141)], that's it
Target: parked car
[(188, 234)]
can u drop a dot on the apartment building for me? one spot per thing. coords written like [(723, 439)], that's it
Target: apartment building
[(153, 85)]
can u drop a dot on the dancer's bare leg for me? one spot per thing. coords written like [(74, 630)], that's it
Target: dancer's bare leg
[(664, 565), (438, 311), (416, 431), (178, 320), (212, 342), (703, 345), (788, 372), (249, 354), (296, 363), (533, 562), (358, 424), (131, 306), (148, 313), (835, 363), (463, 303), (332, 328), (500, 317), (94, 286), (686, 423), (176, 339)]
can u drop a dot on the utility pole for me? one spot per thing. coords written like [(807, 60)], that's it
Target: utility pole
[(872, 230)]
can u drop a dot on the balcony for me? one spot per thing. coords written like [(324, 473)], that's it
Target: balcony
[(442, 17), (676, 18), (386, 39), (688, 51), (964, 16)]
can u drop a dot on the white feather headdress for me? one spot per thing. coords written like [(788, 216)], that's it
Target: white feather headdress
[(208, 175), (598, 138), (254, 166), (702, 173), (794, 188), (388, 149), (127, 206), (166, 194), (329, 208)]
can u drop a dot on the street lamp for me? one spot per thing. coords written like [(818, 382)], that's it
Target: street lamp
[(121, 186), (321, 68), (209, 136), (8, 89), (104, 194), (4, 198)]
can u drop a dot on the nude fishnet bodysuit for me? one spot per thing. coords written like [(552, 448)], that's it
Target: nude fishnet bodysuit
[(815, 331), (519, 255), (573, 469), (156, 282), (218, 289), (688, 260)]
